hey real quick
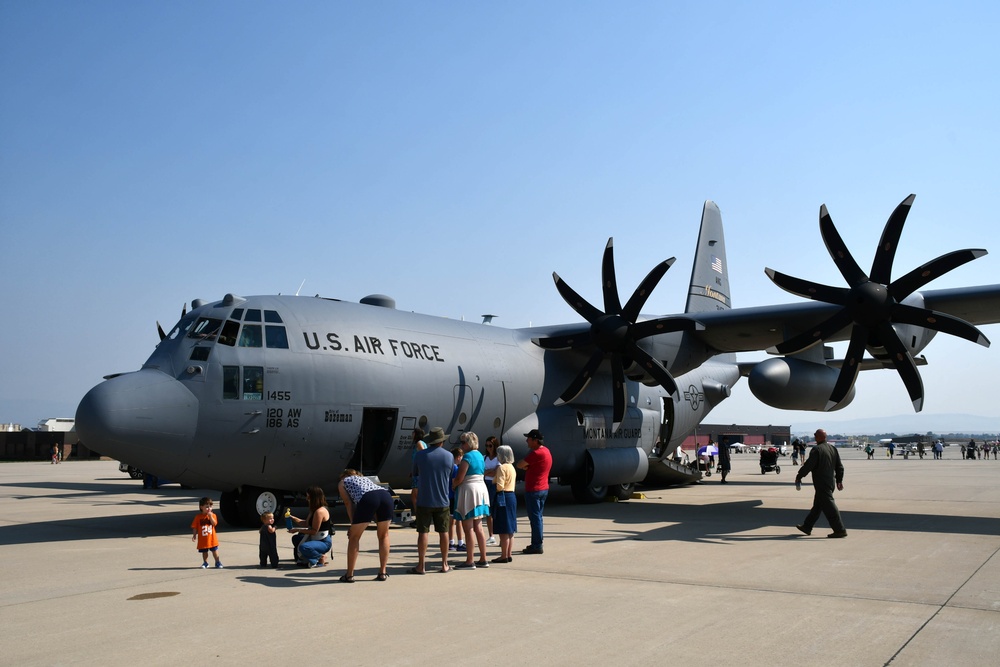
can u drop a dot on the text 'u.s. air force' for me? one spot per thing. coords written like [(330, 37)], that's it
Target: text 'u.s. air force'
[(373, 345)]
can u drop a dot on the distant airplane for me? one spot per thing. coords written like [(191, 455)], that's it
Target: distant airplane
[(259, 397)]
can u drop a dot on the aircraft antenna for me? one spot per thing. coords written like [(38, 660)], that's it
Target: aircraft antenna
[(300, 287)]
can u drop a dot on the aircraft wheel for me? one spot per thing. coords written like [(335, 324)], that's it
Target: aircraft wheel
[(622, 491), (229, 508), (135, 473), (588, 494), (254, 501)]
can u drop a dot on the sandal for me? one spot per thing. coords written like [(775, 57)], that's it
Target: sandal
[(414, 570), (382, 576), (346, 579)]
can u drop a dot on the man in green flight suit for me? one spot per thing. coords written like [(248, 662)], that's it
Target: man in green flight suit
[(827, 470)]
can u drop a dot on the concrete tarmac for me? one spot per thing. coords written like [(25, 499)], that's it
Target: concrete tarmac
[(97, 571)]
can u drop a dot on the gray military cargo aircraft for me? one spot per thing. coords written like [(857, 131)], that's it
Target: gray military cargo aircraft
[(259, 397)]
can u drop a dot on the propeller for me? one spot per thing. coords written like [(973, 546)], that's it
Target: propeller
[(615, 333), (159, 329), (872, 303)]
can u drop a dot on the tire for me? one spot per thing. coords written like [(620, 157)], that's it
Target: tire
[(229, 508), (622, 491), (254, 501), (588, 495), (777, 470), (135, 473), (762, 471)]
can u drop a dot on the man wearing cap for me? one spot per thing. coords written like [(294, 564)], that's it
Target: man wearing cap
[(827, 471), (536, 466), (432, 470)]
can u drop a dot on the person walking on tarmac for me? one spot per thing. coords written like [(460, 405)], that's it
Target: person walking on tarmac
[(827, 470)]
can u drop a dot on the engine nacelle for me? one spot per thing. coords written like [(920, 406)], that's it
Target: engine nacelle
[(794, 384), (615, 465)]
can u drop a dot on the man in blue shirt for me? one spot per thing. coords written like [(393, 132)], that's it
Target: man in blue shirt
[(432, 470)]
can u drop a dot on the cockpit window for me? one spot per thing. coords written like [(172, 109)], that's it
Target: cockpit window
[(206, 328), (276, 337), (272, 317), (251, 336), (237, 314), (229, 331), (253, 315)]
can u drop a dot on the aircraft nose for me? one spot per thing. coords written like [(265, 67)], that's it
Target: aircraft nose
[(146, 419)]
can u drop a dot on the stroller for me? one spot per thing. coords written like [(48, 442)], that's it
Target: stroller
[(769, 460)]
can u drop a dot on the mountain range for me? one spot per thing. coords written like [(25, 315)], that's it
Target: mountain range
[(903, 424)]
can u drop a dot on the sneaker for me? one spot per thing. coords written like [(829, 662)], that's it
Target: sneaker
[(803, 529), (492, 541), (532, 549), (204, 566), (452, 547), (218, 565), (465, 566), (461, 546), (838, 533)]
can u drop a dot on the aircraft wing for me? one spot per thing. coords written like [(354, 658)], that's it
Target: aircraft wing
[(762, 327)]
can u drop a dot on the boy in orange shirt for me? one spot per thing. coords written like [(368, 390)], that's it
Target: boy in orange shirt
[(203, 531)]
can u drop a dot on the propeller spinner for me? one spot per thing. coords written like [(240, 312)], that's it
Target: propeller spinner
[(615, 333), (872, 304)]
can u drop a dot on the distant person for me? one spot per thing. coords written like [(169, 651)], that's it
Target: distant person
[(365, 500), (456, 539), (795, 452), (418, 445), (432, 467), (891, 448), (55, 453), (315, 540), (970, 449), (938, 450), (268, 550), (472, 501), (827, 471), (537, 465), (491, 464), (203, 532), (725, 463), (869, 450), (505, 510)]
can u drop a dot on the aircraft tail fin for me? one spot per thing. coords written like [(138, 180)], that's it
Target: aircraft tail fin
[(709, 288)]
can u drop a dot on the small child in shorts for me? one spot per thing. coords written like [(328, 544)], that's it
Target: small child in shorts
[(203, 532), (268, 540)]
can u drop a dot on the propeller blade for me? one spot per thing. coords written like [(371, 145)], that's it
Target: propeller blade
[(575, 301), (618, 391), (816, 334), (184, 310), (931, 319), (903, 362), (609, 283), (903, 287), (849, 369), (808, 289), (655, 368), (645, 288), (159, 330), (664, 325), (835, 245), (582, 378), (886, 251)]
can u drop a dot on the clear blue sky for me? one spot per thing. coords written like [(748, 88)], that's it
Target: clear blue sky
[(454, 154)]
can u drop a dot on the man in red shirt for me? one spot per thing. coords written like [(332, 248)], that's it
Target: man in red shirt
[(536, 466)]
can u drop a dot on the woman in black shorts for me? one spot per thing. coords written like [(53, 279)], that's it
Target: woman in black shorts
[(365, 500)]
